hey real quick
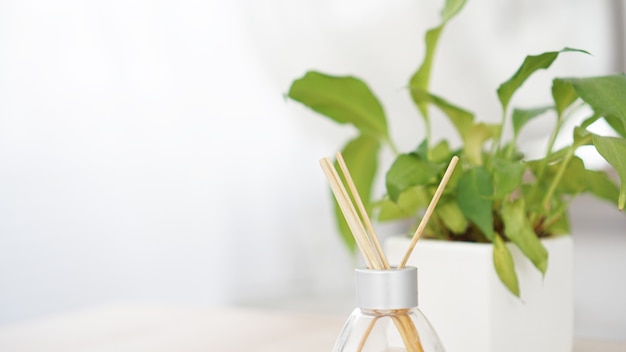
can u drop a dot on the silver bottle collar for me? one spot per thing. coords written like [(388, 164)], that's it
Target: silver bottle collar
[(386, 289)]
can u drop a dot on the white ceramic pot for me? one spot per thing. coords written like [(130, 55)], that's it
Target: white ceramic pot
[(472, 311)]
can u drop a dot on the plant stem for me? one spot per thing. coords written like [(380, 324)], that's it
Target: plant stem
[(502, 127), (554, 217), (568, 157), (544, 162), (557, 179), (552, 140), (495, 147), (393, 146), (423, 108)]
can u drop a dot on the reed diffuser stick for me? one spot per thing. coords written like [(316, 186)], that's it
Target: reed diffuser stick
[(429, 211), (366, 334), (350, 214), (408, 333), (364, 216)]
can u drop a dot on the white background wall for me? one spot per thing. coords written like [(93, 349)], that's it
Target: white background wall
[(147, 152)]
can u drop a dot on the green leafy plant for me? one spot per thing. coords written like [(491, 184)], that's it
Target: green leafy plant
[(496, 195)]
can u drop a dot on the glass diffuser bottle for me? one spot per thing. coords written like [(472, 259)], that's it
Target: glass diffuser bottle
[(387, 318)]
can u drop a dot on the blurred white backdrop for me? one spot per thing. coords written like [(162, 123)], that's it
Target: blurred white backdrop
[(147, 152)]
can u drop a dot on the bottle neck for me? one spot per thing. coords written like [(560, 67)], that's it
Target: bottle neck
[(387, 312)]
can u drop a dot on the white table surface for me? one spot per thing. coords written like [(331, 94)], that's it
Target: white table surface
[(138, 327)]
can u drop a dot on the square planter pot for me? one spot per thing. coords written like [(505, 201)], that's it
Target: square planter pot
[(472, 311)]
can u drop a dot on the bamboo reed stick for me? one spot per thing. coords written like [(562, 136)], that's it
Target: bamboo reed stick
[(350, 214), (408, 332), (366, 334), (429, 211), (364, 216)]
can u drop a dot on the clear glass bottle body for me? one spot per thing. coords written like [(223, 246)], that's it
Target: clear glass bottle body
[(394, 330)]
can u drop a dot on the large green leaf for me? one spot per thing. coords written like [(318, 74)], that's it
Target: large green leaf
[(507, 176), (440, 153), (408, 203), (606, 95), (518, 229), (505, 267), (474, 195), (617, 125), (452, 216), (476, 137), (344, 99), (409, 170), (522, 116), (563, 94), (601, 185), (420, 80), (361, 157), (451, 9), (531, 64), (613, 149)]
